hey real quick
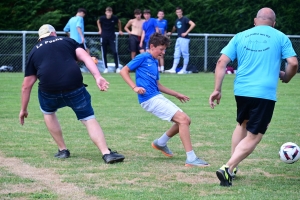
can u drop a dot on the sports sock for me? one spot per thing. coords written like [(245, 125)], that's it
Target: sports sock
[(162, 68), (175, 63), (184, 67), (229, 172), (191, 156), (162, 141)]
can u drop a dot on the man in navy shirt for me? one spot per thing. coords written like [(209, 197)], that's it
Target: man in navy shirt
[(49, 56), (183, 25), (149, 27), (106, 26)]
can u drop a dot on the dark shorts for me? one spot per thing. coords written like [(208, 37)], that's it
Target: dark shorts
[(79, 100), (134, 43), (258, 111)]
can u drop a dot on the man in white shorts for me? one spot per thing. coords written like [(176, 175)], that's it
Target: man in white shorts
[(149, 91)]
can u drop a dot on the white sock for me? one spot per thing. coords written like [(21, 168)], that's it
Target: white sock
[(184, 67), (162, 68), (175, 63), (191, 156), (162, 141)]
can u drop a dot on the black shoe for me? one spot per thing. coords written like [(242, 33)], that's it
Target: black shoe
[(224, 177), (65, 153), (113, 157)]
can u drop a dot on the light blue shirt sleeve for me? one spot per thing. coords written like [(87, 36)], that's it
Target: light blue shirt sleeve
[(230, 49), (67, 27)]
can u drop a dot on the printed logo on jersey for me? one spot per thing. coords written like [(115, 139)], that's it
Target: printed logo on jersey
[(179, 24)]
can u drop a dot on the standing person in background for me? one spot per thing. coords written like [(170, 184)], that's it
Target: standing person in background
[(183, 25), (259, 51), (49, 56), (75, 28), (135, 33), (162, 26), (106, 26), (149, 27)]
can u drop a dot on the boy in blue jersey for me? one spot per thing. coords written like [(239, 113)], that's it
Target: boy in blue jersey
[(149, 89), (162, 26), (75, 27), (259, 52), (149, 27)]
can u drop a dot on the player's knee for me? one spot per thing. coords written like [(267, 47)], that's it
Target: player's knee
[(184, 119)]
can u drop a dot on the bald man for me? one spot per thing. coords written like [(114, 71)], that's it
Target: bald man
[(259, 51)]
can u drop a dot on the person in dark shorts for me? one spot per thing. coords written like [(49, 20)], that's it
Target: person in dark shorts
[(259, 51), (106, 26), (53, 60), (136, 26)]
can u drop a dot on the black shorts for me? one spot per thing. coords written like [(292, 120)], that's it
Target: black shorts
[(258, 111), (134, 43)]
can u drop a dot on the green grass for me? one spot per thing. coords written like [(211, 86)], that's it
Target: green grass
[(146, 173)]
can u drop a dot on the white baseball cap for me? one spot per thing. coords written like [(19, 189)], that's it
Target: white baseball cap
[(46, 30)]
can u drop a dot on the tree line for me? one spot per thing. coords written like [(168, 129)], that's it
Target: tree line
[(210, 16)]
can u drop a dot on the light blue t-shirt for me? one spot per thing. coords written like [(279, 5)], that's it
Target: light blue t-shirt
[(162, 25), (146, 75), (259, 52), (149, 28), (71, 27)]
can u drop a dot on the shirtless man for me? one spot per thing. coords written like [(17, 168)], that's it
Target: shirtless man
[(136, 25)]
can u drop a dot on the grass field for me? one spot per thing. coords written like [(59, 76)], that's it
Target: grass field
[(28, 169)]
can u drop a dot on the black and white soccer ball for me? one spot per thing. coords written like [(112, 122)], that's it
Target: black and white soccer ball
[(289, 152)]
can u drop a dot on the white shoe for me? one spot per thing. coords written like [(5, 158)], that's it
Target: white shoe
[(182, 72), (170, 71), (105, 71), (118, 70)]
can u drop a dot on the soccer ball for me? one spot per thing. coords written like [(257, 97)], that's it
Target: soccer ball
[(289, 152)]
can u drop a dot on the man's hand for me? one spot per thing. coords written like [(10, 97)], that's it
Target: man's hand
[(216, 95), (183, 34), (23, 114), (102, 83)]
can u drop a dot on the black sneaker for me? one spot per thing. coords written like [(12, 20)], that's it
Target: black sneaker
[(65, 153), (113, 157), (224, 176)]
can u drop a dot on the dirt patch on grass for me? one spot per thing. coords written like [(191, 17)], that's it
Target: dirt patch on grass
[(44, 179)]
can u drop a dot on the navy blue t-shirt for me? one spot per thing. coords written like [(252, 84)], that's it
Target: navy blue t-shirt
[(108, 26), (53, 61), (182, 25)]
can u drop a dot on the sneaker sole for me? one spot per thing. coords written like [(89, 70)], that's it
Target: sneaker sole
[(115, 160), (166, 154), (222, 178), (191, 165)]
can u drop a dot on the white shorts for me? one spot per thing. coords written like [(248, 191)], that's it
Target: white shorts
[(161, 107)]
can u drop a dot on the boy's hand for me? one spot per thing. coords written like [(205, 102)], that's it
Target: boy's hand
[(182, 98)]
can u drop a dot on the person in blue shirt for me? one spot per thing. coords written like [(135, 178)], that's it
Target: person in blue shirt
[(149, 90), (259, 52), (149, 27), (75, 27), (162, 26)]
